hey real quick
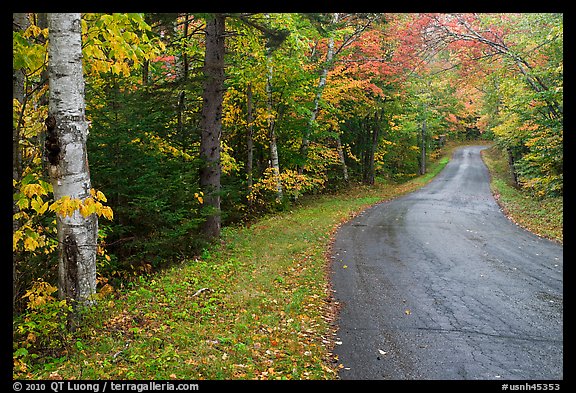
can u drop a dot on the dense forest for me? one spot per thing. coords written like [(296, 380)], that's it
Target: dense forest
[(180, 124)]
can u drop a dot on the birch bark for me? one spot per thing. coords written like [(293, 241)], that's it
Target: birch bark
[(274, 163), (68, 166), (318, 97)]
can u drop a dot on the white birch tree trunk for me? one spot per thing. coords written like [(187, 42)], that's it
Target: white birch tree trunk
[(318, 97), (274, 163), (341, 158), (67, 129)]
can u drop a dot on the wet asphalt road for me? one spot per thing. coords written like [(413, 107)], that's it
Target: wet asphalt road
[(439, 284)]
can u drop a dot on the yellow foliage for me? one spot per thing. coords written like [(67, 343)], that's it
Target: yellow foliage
[(30, 244), (40, 293), (107, 212), (66, 206), (101, 197), (293, 184), (227, 162), (199, 197), (33, 189)]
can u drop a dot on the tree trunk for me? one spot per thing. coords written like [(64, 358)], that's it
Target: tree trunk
[(145, 72), (512, 167), (341, 158), (67, 130), (319, 91), (211, 123), (185, 63), (179, 115), (20, 22), (423, 148), (249, 137), (372, 133), (274, 162)]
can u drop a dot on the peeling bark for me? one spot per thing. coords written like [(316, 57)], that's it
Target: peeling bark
[(68, 168)]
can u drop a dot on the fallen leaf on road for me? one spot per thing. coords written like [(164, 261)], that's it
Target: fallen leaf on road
[(407, 312)]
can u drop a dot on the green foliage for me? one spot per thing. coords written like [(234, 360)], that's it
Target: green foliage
[(117, 43), (543, 216), (524, 109), (150, 178), (43, 329)]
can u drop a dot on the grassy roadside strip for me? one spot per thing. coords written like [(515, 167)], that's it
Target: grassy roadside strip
[(256, 306), (543, 217)]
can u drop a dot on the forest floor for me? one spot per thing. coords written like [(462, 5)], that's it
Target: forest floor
[(258, 305)]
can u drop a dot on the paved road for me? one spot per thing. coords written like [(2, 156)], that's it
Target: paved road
[(439, 284)]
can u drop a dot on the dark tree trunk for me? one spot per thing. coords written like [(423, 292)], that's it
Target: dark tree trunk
[(19, 23), (423, 148), (211, 123), (372, 133), (512, 166)]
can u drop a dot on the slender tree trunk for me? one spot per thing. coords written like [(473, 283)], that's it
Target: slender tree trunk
[(341, 158), (42, 20), (274, 162), (423, 148), (145, 72), (184, 54), (512, 167), (67, 130), (249, 137), (372, 134), (211, 124), (373, 146), (180, 113), (20, 22), (317, 98)]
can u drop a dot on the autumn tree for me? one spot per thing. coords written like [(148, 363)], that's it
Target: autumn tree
[(525, 51)]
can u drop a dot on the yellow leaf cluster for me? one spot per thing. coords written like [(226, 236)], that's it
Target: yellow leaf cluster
[(40, 293), (293, 185), (163, 146), (199, 196), (116, 42), (66, 206)]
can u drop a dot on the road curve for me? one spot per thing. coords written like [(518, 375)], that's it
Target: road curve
[(439, 284)]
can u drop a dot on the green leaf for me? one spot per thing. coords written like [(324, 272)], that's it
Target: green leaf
[(20, 352)]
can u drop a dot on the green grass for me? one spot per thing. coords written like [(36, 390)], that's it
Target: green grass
[(256, 306), (543, 217)]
